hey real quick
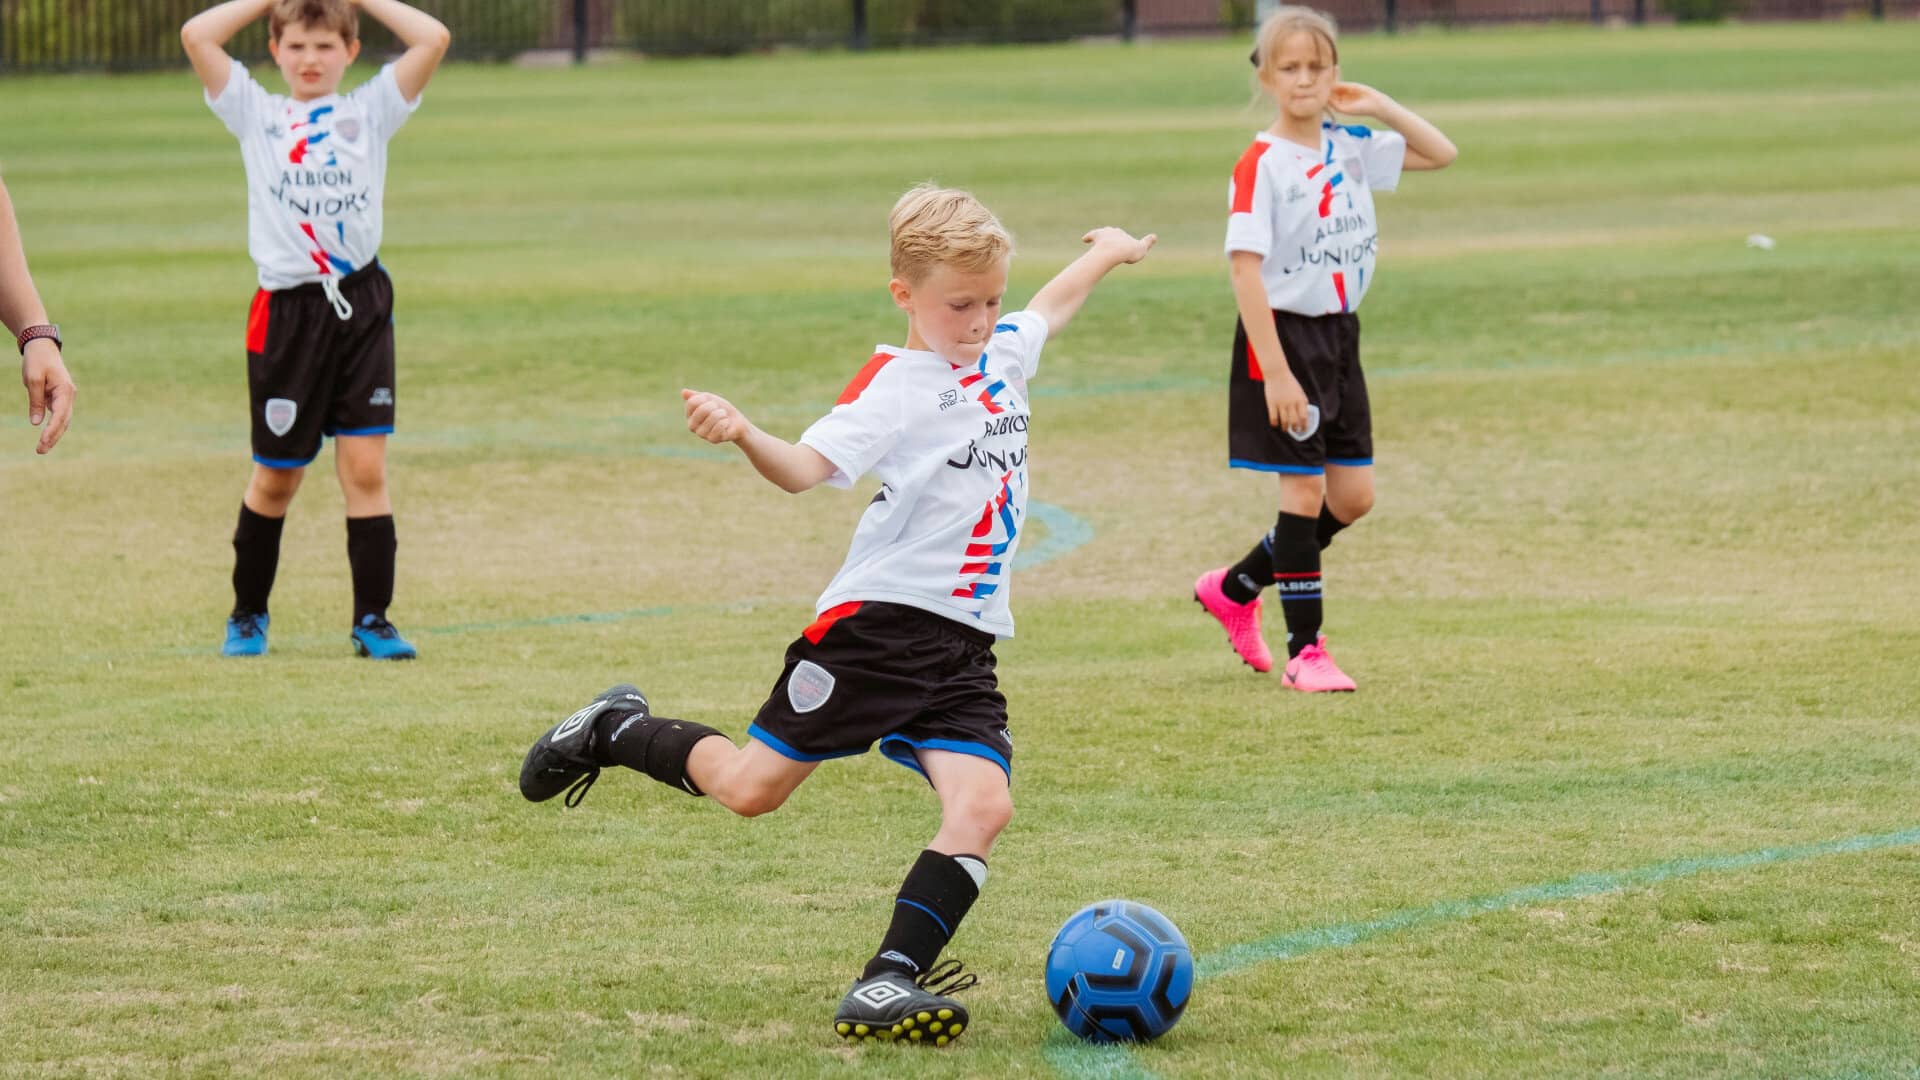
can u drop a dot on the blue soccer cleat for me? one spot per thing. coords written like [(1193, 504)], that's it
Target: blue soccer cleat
[(246, 635), (376, 639)]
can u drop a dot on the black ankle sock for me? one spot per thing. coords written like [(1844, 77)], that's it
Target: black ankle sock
[(370, 549), (1296, 574), (1252, 573), (932, 901), (1328, 525), (656, 745), (256, 557)]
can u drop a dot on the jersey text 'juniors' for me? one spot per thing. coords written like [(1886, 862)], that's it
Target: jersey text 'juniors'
[(316, 173), (949, 446), (1309, 214)]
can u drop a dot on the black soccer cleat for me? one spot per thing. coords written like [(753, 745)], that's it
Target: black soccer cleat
[(562, 759), (894, 1006)]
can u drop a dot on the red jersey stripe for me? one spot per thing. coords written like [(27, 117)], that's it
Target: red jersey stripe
[(1245, 174), (859, 384), (827, 618)]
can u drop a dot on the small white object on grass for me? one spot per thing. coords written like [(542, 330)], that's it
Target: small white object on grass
[(1761, 241)]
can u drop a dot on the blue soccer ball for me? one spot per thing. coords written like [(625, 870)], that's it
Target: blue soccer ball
[(1119, 972)]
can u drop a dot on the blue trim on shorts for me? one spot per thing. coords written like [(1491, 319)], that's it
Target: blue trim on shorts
[(755, 731), (1350, 462), (930, 914), (383, 430), (1261, 466), (974, 749), (287, 463)]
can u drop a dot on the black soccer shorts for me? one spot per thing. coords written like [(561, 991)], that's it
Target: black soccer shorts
[(311, 373), (868, 671), (1323, 352)]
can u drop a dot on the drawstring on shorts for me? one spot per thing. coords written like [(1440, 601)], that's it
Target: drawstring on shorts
[(331, 286)]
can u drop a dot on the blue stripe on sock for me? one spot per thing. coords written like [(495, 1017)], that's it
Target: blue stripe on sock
[(944, 928)]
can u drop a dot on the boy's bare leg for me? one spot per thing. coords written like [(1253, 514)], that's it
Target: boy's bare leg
[(904, 991), (360, 461), (749, 780)]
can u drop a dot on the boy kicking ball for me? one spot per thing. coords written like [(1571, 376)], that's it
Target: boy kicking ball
[(901, 652)]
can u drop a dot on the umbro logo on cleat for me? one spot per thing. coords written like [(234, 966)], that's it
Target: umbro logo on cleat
[(573, 723), (881, 994)]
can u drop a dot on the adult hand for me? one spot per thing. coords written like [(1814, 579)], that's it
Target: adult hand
[(50, 390)]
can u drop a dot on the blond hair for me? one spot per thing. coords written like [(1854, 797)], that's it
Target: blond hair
[(1285, 22), (322, 15), (935, 226)]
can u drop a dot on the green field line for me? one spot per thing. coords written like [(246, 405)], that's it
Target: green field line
[(1083, 1062)]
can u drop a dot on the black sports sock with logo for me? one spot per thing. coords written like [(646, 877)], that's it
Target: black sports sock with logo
[(1296, 576), (1247, 577), (256, 558), (1328, 525), (370, 549), (656, 745), (935, 897)]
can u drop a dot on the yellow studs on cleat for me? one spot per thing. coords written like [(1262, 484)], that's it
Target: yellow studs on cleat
[(843, 1028), (896, 1029), (946, 1014), (942, 1041), (859, 1029), (924, 1017), (907, 1023), (915, 1035), (956, 1029), (934, 1027)]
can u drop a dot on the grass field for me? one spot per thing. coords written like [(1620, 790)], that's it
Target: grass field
[(1632, 784)]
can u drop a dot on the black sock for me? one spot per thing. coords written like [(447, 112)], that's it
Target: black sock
[(1296, 574), (1247, 577), (1328, 525), (370, 548), (656, 745), (256, 557), (932, 901)]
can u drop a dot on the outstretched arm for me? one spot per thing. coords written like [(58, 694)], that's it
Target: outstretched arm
[(1060, 299), (205, 38), (1427, 148), (793, 468), (425, 37), (49, 387)]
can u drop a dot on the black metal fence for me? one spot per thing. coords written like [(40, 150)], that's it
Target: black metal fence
[(54, 35)]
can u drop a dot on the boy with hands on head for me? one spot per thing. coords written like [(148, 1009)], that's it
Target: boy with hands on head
[(320, 329), (901, 651)]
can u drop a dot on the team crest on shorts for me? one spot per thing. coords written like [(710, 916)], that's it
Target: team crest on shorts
[(280, 414), (809, 686)]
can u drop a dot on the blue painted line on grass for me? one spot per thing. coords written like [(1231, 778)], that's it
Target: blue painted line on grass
[(1079, 1061)]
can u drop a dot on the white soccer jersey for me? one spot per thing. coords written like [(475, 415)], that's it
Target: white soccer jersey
[(1309, 214), (949, 445), (316, 173)]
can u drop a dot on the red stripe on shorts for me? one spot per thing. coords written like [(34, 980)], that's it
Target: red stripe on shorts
[(257, 322), (827, 618)]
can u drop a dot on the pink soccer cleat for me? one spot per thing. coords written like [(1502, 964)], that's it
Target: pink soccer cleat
[(1242, 621), (1314, 672)]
